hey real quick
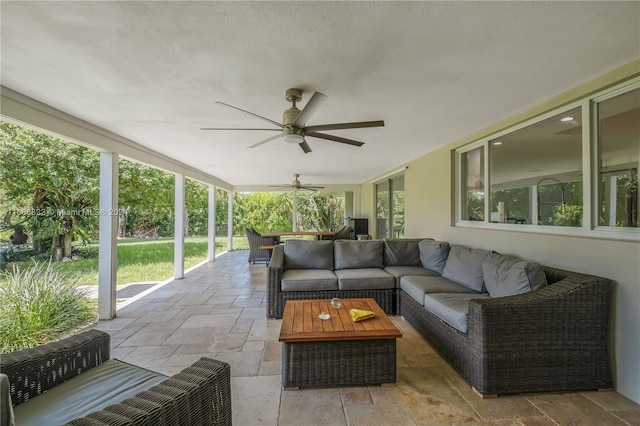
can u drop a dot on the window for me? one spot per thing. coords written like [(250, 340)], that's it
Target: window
[(472, 163), (570, 171), (390, 208), (618, 123), (536, 173)]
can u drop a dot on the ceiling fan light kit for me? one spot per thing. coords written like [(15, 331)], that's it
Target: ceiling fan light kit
[(294, 129), (293, 138)]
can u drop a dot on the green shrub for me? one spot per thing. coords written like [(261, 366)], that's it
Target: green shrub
[(40, 303)]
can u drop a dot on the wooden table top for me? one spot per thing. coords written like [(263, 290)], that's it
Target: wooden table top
[(300, 322)]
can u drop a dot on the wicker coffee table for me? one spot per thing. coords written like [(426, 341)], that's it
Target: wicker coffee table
[(337, 351)]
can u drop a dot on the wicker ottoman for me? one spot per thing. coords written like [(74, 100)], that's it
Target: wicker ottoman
[(336, 352)]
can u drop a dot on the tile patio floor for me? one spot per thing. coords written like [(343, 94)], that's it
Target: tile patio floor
[(218, 311)]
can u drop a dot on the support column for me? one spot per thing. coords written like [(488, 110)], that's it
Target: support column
[(107, 243), (230, 220), (178, 252), (294, 213), (211, 226)]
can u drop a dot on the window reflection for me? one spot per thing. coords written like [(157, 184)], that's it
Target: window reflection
[(536, 173), (473, 185), (619, 142)]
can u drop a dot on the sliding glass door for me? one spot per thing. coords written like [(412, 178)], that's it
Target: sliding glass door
[(390, 208)]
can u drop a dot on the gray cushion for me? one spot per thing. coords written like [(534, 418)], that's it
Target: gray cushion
[(6, 409), (402, 252), (506, 276), (305, 254), (364, 279), (433, 254), (418, 286), (464, 266), (401, 271), (308, 280), (108, 383), (451, 308), (358, 254)]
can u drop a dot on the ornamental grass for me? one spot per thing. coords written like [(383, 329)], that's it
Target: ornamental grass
[(40, 303)]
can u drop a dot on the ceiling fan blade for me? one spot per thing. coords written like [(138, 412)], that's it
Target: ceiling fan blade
[(255, 115), (305, 147), (334, 138), (234, 128), (309, 109), (339, 126), (265, 141)]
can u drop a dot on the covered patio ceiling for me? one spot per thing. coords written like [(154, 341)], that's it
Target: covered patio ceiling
[(435, 72)]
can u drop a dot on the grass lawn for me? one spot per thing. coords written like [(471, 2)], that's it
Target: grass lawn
[(141, 260)]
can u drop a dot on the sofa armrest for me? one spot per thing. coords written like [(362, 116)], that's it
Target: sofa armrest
[(199, 394), (564, 324), (35, 370), (573, 297), (274, 277)]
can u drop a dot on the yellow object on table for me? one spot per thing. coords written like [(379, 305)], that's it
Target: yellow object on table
[(360, 315)]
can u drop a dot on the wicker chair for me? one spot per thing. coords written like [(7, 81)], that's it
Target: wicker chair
[(199, 394), (343, 233), (255, 241)]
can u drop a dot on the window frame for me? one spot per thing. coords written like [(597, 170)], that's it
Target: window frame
[(590, 173)]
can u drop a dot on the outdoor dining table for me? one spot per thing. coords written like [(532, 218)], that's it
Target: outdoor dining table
[(278, 234)]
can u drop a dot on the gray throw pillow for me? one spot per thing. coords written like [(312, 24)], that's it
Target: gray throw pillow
[(506, 276), (464, 266), (358, 254), (305, 254), (402, 252), (433, 254)]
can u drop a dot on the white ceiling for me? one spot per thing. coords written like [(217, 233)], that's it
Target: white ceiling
[(433, 71)]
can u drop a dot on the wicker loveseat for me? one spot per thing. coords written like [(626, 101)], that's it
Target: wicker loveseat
[(74, 381), (506, 325)]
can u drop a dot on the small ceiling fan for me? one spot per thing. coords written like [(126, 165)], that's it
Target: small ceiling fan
[(294, 127), (297, 186)]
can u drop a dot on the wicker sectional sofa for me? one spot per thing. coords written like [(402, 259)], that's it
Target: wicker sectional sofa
[(301, 269), (74, 381), (506, 325)]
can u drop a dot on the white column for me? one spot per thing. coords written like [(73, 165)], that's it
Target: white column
[(211, 227), (178, 252), (230, 221), (107, 243), (294, 213)]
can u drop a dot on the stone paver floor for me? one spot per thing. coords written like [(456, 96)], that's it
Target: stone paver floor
[(218, 311)]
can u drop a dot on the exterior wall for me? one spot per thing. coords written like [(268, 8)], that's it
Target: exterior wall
[(429, 213)]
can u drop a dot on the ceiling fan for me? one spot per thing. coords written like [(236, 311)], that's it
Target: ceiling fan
[(296, 186), (294, 127)]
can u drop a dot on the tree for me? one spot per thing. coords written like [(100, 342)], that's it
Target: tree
[(273, 211), (54, 181), (147, 196)]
